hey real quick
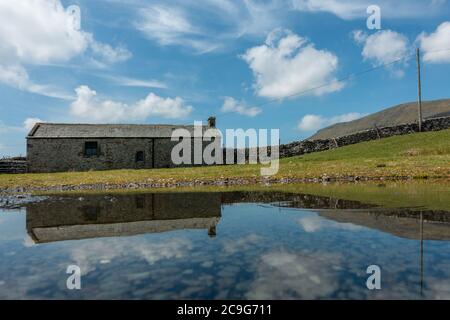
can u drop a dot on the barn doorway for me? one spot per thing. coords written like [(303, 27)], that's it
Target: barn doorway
[(139, 157)]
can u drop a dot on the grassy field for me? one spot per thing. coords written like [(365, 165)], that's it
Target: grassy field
[(424, 155)]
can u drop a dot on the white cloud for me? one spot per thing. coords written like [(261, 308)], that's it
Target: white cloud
[(436, 46), (241, 244), (231, 105), (170, 26), (312, 122), (188, 23), (37, 32), (383, 47), (107, 53), (41, 32), (17, 77), (28, 242), (343, 9), (90, 255), (131, 82), (88, 107), (311, 224), (174, 248), (353, 9), (285, 275), (30, 122), (287, 64), (259, 17), (438, 289)]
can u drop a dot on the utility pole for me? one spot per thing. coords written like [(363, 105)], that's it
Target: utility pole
[(419, 90)]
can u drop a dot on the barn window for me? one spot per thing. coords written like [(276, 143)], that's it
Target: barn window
[(91, 213), (140, 202), (140, 156), (91, 149)]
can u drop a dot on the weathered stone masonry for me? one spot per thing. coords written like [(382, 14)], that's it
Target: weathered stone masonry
[(77, 147), (13, 165)]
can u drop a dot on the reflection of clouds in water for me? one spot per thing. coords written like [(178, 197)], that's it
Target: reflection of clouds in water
[(221, 270), (89, 254), (259, 261), (438, 289), (241, 244), (12, 226), (284, 275), (207, 264), (28, 242), (154, 252), (315, 223)]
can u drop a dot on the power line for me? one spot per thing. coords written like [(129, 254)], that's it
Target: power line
[(337, 81), (349, 76), (297, 94), (352, 75)]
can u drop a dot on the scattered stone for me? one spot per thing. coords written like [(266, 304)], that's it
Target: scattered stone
[(14, 201)]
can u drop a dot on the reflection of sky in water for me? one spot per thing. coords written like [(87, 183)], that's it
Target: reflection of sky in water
[(260, 252)]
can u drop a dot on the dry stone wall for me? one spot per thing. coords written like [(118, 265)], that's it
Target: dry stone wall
[(303, 147), (306, 146)]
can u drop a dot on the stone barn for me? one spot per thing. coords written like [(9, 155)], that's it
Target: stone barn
[(55, 147)]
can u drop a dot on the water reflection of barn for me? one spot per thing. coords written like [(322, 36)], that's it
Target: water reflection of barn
[(74, 218)]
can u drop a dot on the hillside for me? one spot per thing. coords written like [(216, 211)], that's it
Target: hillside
[(404, 113)]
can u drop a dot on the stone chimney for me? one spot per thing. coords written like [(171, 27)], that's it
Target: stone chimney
[(212, 122)]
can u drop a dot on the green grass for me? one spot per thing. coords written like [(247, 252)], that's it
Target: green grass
[(424, 155)]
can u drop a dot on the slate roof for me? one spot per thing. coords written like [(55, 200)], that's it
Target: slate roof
[(60, 130)]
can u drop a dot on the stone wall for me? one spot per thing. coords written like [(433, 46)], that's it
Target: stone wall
[(53, 155), (62, 155), (13, 165), (303, 147), (306, 146)]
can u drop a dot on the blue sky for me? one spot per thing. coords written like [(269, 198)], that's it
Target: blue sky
[(242, 61)]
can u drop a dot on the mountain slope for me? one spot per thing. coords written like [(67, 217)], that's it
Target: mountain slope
[(404, 113)]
